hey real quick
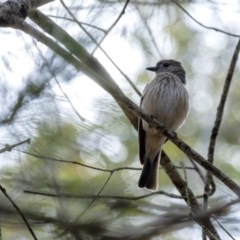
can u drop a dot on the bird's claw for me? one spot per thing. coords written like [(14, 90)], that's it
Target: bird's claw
[(153, 118), (174, 134)]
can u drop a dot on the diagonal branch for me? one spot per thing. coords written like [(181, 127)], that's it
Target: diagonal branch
[(9, 147), (3, 190), (113, 24), (80, 117), (221, 105), (91, 167), (87, 63), (203, 25), (188, 197), (217, 123)]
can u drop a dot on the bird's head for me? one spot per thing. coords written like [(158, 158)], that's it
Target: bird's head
[(170, 66)]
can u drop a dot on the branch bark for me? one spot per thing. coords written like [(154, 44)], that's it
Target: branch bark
[(14, 12)]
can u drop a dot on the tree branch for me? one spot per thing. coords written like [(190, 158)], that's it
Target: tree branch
[(98, 196), (188, 197), (9, 147), (201, 24), (222, 102), (14, 12), (99, 46), (89, 65), (217, 123), (3, 190)]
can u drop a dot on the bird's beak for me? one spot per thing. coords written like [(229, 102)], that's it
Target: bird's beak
[(153, 69)]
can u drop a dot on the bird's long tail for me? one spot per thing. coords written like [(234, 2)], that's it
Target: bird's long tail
[(149, 175)]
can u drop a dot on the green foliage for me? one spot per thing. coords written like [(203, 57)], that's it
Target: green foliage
[(72, 164)]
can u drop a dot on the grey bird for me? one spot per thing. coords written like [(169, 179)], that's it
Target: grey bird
[(166, 99)]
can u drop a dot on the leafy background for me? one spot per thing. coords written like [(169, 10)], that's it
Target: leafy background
[(70, 118)]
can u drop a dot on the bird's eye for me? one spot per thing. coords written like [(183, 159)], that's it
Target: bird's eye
[(166, 64)]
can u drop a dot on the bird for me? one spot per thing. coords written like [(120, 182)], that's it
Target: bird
[(166, 100)]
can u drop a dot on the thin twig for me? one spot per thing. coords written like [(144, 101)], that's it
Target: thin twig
[(84, 23), (81, 118), (222, 102), (212, 236), (93, 199), (218, 119), (3, 190), (77, 196), (91, 167), (224, 229), (113, 24), (201, 24), (196, 168), (186, 181), (152, 39), (81, 164), (217, 124), (50, 43), (97, 195), (9, 147), (99, 46)]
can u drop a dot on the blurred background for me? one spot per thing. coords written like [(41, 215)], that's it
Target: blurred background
[(79, 134)]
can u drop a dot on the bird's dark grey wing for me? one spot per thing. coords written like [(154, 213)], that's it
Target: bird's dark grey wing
[(144, 91), (141, 141), (141, 133)]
